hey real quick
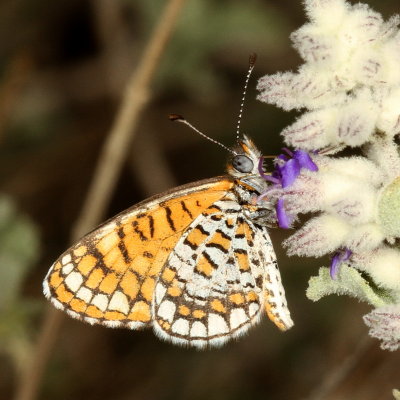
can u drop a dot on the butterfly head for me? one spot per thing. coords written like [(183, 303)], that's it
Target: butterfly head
[(244, 162)]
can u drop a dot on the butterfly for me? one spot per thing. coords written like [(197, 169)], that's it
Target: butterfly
[(195, 263)]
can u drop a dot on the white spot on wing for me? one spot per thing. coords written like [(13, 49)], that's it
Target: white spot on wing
[(238, 317), (216, 325), (119, 302), (197, 285), (74, 281), (167, 310), (198, 330), (100, 301), (253, 309), (245, 278), (230, 273), (84, 294), (160, 292), (181, 326), (66, 269), (66, 259), (214, 253)]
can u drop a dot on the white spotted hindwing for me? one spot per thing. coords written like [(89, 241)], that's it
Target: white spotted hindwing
[(218, 279)]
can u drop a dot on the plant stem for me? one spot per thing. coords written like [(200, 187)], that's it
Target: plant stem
[(111, 159), (336, 377)]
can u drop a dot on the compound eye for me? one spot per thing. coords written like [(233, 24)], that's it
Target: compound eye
[(242, 164)]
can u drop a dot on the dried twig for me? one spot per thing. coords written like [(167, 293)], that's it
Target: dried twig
[(338, 376), (111, 159), (16, 76), (150, 166), (117, 144)]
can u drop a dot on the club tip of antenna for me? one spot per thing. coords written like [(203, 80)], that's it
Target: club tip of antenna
[(176, 117), (252, 59)]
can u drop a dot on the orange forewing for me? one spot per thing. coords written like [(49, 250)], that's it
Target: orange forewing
[(110, 274)]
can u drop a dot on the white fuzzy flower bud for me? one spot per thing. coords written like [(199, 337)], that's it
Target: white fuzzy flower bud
[(365, 237), (384, 152), (345, 187), (350, 78), (315, 46), (389, 117), (358, 168), (303, 195), (312, 130), (321, 235), (309, 88), (360, 26), (357, 120), (389, 29), (352, 124), (384, 324), (390, 58), (316, 88), (326, 13), (378, 64), (367, 66), (383, 265), (349, 199), (278, 89)]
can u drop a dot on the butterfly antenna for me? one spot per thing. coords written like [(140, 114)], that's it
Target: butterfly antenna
[(181, 119), (252, 61)]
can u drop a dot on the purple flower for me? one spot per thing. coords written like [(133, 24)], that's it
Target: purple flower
[(287, 168), (291, 167), (284, 218), (337, 259)]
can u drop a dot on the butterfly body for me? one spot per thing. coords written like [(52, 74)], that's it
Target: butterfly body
[(195, 263)]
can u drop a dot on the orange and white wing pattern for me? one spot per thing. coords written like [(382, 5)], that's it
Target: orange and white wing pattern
[(219, 280), (109, 276)]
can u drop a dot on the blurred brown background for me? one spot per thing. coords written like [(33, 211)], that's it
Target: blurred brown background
[(63, 69)]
